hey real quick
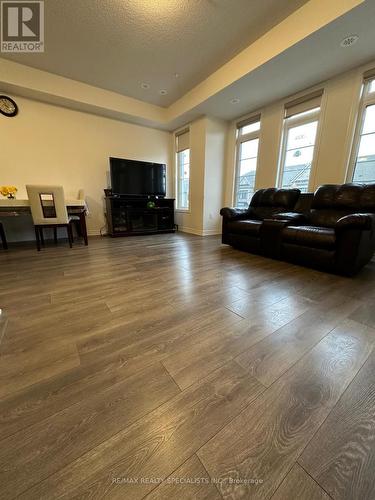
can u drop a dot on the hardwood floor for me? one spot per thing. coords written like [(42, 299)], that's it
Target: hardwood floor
[(173, 367)]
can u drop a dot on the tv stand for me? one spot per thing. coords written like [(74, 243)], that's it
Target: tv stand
[(130, 216)]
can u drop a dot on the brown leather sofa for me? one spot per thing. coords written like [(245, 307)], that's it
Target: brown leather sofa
[(242, 228), (336, 233)]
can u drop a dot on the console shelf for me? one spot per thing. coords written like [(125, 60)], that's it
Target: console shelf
[(130, 216)]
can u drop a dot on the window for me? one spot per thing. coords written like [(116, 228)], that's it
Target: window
[(363, 159), (182, 170), (246, 161), (298, 144), (183, 167)]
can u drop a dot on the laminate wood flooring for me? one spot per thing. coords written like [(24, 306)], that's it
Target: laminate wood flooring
[(172, 366)]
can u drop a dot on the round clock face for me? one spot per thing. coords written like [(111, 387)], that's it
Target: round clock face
[(7, 106)]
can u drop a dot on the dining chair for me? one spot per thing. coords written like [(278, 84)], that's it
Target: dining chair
[(48, 210), (3, 237), (80, 217)]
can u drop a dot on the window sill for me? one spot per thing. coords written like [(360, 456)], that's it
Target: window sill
[(183, 210)]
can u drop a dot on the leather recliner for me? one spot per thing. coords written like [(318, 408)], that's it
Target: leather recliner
[(333, 230), (337, 234), (242, 228)]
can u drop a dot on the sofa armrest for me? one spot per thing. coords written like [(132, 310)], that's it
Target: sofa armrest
[(356, 221), (234, 213), (294, 218)]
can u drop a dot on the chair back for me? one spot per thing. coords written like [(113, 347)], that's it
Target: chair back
[(47, 204)]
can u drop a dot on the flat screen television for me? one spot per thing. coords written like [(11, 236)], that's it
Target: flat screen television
[(137, 178)]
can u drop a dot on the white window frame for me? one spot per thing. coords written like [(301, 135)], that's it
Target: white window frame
[(304, 118), (177, 183), (367, 99), (240, 138)]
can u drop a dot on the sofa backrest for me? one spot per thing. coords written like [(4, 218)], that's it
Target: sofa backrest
[(304, 202), (333, 201), (267, 202)]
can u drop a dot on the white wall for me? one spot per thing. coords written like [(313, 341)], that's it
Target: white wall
[(50, 144)]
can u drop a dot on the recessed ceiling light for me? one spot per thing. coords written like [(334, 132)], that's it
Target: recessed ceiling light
[(235, 100), (163, 92), (177, 75), (350, 40), (145, 86)]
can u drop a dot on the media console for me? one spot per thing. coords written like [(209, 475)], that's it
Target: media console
[(128, 216)]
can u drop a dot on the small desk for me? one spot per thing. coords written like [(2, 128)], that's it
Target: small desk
[(74, 207)]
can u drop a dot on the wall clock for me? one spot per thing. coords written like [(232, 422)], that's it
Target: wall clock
[(7, 106)]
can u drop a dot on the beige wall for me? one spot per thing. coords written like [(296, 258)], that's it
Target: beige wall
[(50, 144), (339, 110), (191, 221), (269, 145), (214, 175), (207, 169), (340, 107)]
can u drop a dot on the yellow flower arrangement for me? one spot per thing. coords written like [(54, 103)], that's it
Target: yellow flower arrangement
[(8, 191)]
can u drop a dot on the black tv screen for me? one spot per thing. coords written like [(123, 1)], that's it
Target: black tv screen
[(133, 177)]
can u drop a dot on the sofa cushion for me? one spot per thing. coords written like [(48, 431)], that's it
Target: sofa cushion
[(350, 197), (327, 218), (333, 201), (262, 213), (338, 197), (234, 213), (248, 227), (310, 236), (274, 197)]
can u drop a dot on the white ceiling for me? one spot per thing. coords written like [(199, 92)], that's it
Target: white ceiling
[(302, 51), (313, 60), (117, 44)]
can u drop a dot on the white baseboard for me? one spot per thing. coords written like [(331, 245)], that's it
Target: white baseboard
[(95, 232), (199, 232), (183, 229), (190, 230), (211, 232)]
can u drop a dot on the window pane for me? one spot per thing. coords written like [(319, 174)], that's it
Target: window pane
[(302, 135), (248, 165), (183, 178), (366, 145), (369, 123), (249, 149), (246, 174), (365, 170), (298, 156), (252, 127), (297, 168), (185, 156)]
